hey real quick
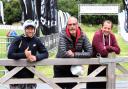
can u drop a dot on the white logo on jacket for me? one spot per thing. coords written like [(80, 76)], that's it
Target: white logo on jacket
[(34, 45)]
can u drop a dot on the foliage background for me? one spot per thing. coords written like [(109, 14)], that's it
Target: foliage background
[(12, 9)]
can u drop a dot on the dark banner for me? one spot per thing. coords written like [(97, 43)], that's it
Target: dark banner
[(43, 12), (48, 16)]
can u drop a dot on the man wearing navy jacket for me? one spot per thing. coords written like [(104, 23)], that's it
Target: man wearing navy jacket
[(26, 46)]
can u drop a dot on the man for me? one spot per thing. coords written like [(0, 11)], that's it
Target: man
[(26, 46), (104, 42), (72, 44)]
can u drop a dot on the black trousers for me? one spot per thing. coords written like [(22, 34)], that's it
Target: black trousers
[(96, 85), (64, 71)]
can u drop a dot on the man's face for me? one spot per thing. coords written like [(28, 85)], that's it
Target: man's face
[(106, 28), (72, 26), (30, 31)]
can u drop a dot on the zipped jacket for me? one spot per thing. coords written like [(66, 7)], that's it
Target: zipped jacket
[(17, 48), (82, 47)]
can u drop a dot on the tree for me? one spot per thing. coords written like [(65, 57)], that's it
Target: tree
[(12, 11), (69, 6)]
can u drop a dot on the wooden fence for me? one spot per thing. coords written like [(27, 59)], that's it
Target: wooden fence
[(110, 63)]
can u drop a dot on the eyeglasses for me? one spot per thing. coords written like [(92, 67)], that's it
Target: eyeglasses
[(72, 24)]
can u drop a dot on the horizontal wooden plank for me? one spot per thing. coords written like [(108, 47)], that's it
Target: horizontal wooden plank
[(62, 61), (116, 60), (24, 81), (82, 79), (56, 80), (121, 84), (122, 76), (66, 61)]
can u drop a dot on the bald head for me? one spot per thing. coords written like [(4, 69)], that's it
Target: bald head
[(72, 20), (72, 25)]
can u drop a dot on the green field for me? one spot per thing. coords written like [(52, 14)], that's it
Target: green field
[(88, 30)]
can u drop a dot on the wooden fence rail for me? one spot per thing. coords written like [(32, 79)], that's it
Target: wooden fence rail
[(110, 63)]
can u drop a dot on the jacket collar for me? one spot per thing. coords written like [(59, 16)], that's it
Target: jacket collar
[(78, 34)]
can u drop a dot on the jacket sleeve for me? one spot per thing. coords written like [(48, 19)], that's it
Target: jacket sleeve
[(87, 47), (13, 50), (99, 46), (115, 46), (62, 47), (42, 51)]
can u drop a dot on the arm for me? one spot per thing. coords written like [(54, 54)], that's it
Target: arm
[(42, 51), (86, 46), (98, 45), (114, 46), (62, 47), (13, 50)]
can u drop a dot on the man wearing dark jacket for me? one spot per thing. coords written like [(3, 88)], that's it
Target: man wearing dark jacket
[(26, 46), (72, 44), (104, 42)]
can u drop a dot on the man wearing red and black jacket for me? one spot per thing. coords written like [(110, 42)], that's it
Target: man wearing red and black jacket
[(104, 42), (72, 44)]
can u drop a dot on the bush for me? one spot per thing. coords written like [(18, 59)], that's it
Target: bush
[(12, 11)]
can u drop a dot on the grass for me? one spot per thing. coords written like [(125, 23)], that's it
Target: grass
[(89, 30), (47, 70)]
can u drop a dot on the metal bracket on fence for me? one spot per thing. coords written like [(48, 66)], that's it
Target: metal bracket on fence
[(98, 55), (101, 59)]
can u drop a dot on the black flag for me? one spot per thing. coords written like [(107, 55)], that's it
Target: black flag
[(48, 16), (43, 12)]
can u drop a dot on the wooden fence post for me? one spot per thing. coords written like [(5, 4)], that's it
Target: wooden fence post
[(111, 79)]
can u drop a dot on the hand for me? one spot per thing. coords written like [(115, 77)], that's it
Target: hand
[(70, 53), (27, 53), (109, 48), (31, 58)]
